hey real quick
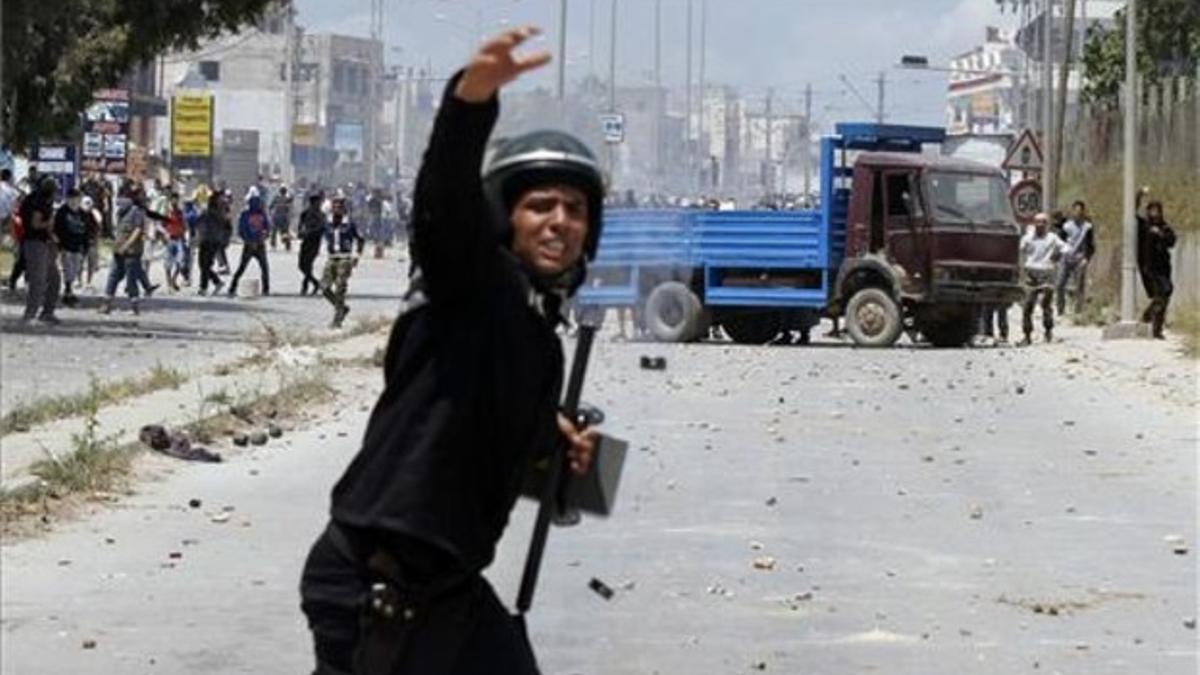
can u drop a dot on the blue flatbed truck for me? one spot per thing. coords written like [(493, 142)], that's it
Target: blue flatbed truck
[(902, 241)]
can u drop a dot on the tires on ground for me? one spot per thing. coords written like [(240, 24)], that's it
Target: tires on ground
[(873, 318), (674, 314)]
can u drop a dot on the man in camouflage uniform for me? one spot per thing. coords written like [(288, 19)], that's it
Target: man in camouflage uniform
[(345, 245)]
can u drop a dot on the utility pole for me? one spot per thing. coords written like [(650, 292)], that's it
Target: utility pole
[(591, 38), (882, 82), (3, 90), (373, 90), (659, 95), (1048, 186), (289, 93), (612, 83), (769, 176), (1061, 110), (700, 121), (1129, 238), (807, 140), (687, 115), (562, 53)]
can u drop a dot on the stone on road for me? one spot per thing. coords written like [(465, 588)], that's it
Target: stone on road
[(876, 563)]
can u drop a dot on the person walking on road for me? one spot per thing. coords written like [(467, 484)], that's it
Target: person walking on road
[(1041, 249), (345, 246), (1077, 231), (128, 247), (1155, 240), (175, 262), (92, 221), (71, 230), (474, 369), (312, 233), (253, 227), (211, 226), (281, 219), (41, 253)]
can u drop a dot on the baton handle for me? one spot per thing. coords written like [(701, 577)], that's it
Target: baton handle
[(556, 476)]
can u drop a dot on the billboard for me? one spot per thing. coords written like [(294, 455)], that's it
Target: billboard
[(192, 125), (57, 160), (106, 132)]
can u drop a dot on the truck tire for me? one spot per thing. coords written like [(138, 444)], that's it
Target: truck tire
[(951, 329), (752, 328), (873, 318), (674, 313)]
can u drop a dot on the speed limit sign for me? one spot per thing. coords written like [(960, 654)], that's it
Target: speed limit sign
[(1026, 198)]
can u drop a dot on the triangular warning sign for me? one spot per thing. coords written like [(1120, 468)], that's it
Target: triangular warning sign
[(1025, 154)]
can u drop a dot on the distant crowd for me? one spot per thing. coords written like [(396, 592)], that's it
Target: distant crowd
[(59, 236)]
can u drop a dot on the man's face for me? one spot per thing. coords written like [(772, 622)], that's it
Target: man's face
[(550, 225), (1040, 225), (1154, 214), (1078, 212), (339, 209)]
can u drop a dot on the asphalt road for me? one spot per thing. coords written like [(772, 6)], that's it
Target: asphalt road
[(991, 511), (180, 330)]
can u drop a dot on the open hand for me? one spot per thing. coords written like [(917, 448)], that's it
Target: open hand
[(495, 65), (581, 445)]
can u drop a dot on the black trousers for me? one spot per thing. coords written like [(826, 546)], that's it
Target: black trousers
[(310, 247), (250, 252), (1160, 288), (466, 632), (208, 255)]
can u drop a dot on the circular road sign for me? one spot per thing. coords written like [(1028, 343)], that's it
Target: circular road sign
[(1026, 198)]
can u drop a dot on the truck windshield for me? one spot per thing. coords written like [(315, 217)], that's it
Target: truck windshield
[(970, 198)]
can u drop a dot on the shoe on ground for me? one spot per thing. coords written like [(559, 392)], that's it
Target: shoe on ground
[(50, 319), (1049, 336), (106, 306), (135, 307), (151, 289), (1026, 341)]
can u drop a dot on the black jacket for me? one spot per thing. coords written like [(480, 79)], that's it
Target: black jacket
[(473, 370), (71, 228), (1154, 250)]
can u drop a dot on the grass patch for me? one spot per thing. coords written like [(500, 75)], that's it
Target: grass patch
[(100, 465), (49, 409), (1187, 324)]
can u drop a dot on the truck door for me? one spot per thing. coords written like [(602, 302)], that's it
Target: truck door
[(905, 223)]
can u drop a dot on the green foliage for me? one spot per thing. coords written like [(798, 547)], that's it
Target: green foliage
[(1168, 40), (57, 52)]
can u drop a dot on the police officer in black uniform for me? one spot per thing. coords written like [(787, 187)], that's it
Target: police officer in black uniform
[(473, 374)]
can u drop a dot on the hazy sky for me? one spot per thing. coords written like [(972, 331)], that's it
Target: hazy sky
[(752, 44)]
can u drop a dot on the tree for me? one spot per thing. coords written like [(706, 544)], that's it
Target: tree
[(1168, 45), (56, 53)]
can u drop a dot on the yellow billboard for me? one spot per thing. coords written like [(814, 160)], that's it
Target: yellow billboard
[(192, 125)]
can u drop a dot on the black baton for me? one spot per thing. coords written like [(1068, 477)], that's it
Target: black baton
[(551, 502)]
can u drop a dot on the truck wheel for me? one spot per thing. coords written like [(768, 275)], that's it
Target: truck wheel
[(674, 313), (753, 328), (953, 329), (873, 318)]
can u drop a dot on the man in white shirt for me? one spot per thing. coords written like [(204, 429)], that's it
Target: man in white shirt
[(8, 197), (1078, 233), (1041, 250)]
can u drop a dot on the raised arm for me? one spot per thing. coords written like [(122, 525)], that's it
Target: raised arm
[(452, 236)]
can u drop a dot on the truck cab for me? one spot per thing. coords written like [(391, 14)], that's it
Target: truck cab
[(935, 237)]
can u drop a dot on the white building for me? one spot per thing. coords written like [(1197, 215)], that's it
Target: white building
[(332, 96)]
